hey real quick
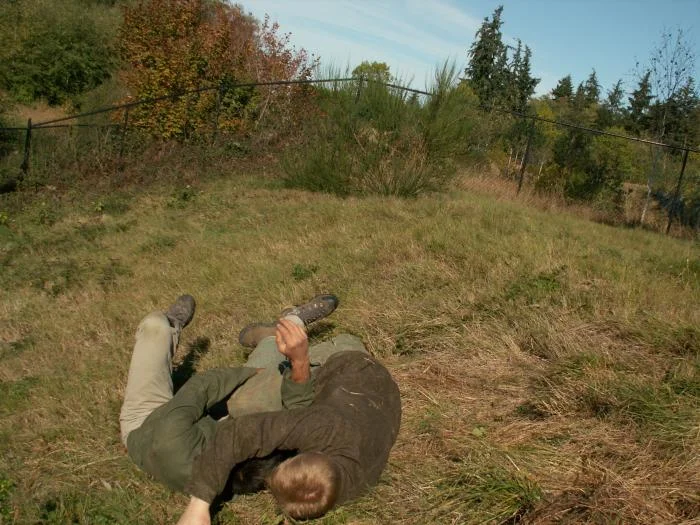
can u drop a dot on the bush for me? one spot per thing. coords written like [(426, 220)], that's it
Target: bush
[(52, 52), (381, 140), (7, 138)]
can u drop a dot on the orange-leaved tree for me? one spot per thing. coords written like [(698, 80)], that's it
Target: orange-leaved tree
[(196, 53)]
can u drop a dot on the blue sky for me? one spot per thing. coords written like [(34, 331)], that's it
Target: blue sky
[(412, 36)]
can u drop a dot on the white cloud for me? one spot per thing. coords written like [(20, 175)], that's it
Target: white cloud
[(412, 37)]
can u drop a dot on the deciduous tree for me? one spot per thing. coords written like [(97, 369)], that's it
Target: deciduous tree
[(177, 46), (378, 71)]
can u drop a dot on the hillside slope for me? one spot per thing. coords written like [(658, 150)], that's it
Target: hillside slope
[(549, 366)]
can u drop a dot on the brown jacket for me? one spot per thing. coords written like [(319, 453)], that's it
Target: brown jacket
[(354, 419)]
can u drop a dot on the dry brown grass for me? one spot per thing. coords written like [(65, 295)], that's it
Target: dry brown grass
[(493, 184), (543, 360)]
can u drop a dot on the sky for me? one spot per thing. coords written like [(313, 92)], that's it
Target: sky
[(414, 36)]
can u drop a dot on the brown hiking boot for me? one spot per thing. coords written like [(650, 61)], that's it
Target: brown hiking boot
[(317, 308), (181, 311), (252, 334)]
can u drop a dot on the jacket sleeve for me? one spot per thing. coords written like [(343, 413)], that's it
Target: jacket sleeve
[(296, 395), (258, 435)]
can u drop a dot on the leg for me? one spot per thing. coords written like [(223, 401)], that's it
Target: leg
[(262, 392), (320, 353), (150, 383)]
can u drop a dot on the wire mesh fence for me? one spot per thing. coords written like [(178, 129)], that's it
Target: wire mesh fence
[(655, 184)]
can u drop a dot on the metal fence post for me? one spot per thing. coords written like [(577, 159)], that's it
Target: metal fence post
[(674, 204), (27, 148), (530, 132), (124, 127), (359, 89)]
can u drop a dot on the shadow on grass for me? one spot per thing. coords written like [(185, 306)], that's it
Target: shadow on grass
[(318, 331), (186, 369)]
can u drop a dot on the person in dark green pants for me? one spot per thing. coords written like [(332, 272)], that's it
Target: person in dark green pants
[(164, 432)]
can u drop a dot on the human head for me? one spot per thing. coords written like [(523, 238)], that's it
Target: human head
[(305, 486)]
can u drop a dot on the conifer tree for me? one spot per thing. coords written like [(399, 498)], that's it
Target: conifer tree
[(682, 115), (524, 81), (639, 104), (611, 112), (591, 89), (487, 56), (579, 101), (563, 89)]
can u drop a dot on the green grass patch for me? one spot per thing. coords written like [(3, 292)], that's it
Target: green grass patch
[(111, 506), (15, 394), (15, 348), (533, 289), (6, 489), (666, 413), (159, 244), (301, 272), (493, 495), (112, 205)]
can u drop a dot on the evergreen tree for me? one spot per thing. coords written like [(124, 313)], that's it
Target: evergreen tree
[(510, 77), (638, 119), (579, 101), (611, 112), (681, 115), (564, 89), (524, 81), (487, 56), (591, 89)]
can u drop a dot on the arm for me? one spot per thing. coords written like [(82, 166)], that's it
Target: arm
[(297, 383), (196, 513), (258, 435)]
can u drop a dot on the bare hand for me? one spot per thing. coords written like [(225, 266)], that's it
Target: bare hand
[(292, 341), (196, 513)]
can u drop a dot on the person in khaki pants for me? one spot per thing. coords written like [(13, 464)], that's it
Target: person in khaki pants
[(165, 431)]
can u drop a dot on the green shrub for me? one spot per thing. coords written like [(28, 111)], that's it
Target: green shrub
[(8, 139), (371, 139), (54, 50)]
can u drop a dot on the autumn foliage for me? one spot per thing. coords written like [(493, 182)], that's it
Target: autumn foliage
[(174, 47)]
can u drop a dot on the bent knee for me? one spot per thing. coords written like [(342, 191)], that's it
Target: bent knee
[(155, 324), (347, 342)]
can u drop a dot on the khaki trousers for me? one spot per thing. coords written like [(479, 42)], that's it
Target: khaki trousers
[(150, 385)]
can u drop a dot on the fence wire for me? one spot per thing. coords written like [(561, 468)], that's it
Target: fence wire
[(654, 193)]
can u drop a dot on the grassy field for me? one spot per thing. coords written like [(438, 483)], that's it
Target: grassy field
[(549, 366)]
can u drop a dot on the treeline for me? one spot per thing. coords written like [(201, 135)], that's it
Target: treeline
[(663, 106), (360, 137)]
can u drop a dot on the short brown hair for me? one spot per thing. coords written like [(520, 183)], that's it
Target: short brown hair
[(306, 486)]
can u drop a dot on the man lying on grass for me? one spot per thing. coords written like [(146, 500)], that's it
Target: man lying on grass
[(343, 421)]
